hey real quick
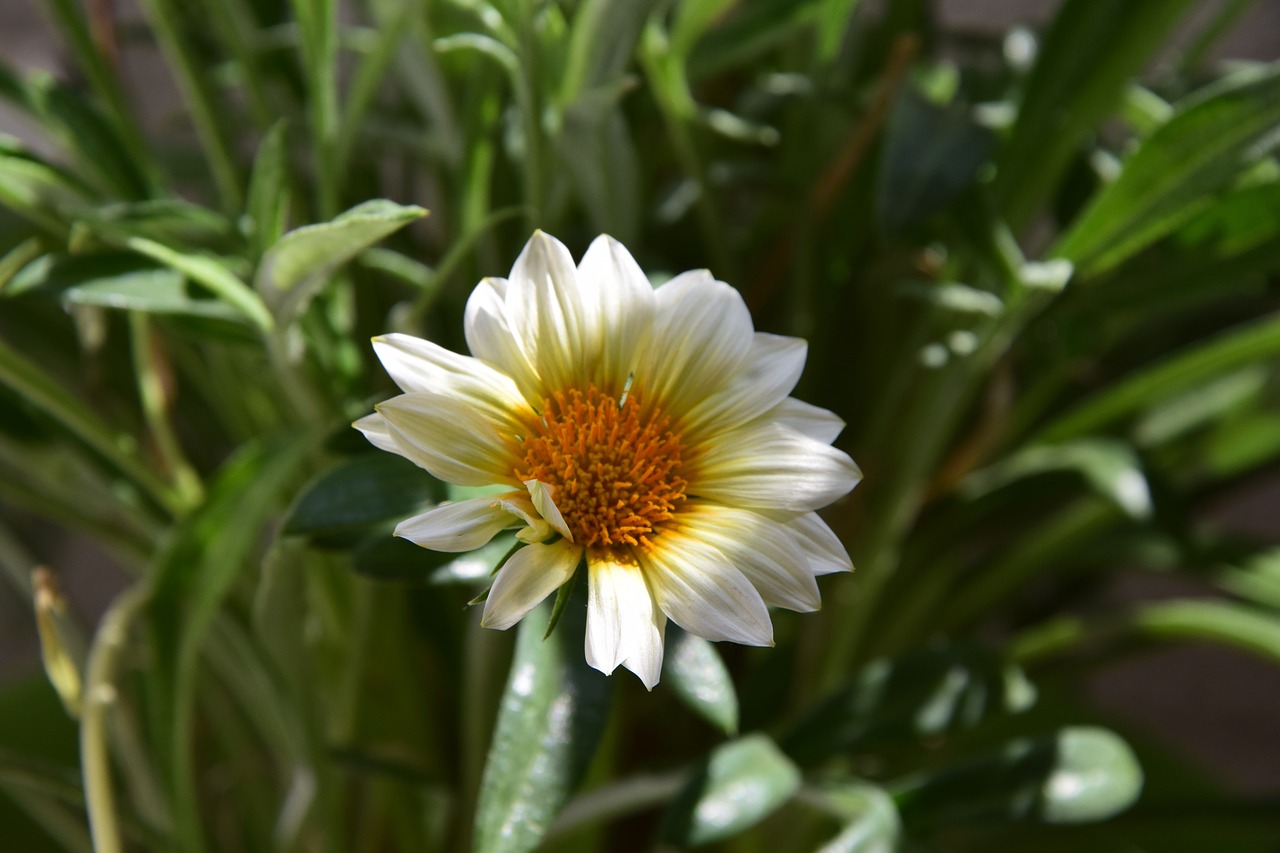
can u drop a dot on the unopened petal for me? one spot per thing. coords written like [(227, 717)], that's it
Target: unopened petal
[(532, 573), (702, 592), (544, 501), (455, 527)]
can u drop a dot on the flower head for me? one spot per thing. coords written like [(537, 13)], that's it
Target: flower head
[(646, 430)]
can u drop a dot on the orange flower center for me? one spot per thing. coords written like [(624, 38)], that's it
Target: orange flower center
[(615, 466)]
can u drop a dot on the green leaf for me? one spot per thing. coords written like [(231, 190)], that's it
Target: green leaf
[(553, 712), (209, 272), (1246, 628), (1254, 342), (1175, 174), (294, 269), (189, 582), (362, 491), (1079, 775), (268, 203), (1110, 467), (602, 38), (38, 192), (871, 822), (596, 149), (693, 669), (931, 155), (924, 694), (741, 784), (1089, 55)]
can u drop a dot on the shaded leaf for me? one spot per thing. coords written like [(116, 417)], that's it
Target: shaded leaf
[(923, 694), (360, 492), (931, 155), (741, 784), (268, 202), (693, 668), (1078, 775)]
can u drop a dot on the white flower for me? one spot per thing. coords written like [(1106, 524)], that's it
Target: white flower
[(647, 430)]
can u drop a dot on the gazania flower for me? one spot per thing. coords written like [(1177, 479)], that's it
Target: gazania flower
[(647, 431)]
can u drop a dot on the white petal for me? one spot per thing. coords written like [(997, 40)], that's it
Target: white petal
[(618, 603), (769, 466), (702, 333), (449, 438), (544, 501), (644, 649), (807, 419), (764, 549), (623, 300), (771, 369), (375, 429), (556, 326), (532, 573), (703, 593), (419, 365), (821, 546), (462, 526), (491, 338)]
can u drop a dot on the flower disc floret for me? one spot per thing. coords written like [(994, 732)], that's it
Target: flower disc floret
[(614, 465)]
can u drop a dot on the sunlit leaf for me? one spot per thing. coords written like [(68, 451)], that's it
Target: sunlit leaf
[(741, 784), (552, 714)]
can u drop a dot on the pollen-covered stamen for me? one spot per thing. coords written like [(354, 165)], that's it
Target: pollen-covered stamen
[(615, 467)]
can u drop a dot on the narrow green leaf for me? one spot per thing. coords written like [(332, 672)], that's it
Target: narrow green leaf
[(268, 204), (1246, 628), (1110, 467), (1213, 138), (1079, 775), (563, 595), (190, 580), (741, 784), (17, 259), (38, 192), (602, 40), (693, 669), (552, 714), (1090, 53), (210, 273), (1254, 342), (294, 269)]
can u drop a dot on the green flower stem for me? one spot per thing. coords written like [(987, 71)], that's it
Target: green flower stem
[(186, 482), (166, 20), (42, 391), (100, 694)]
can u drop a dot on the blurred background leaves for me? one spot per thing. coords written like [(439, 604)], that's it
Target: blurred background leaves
[(1036, 266)]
